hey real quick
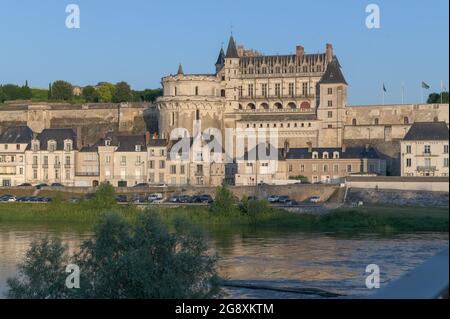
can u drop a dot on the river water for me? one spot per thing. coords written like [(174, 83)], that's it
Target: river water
[(333, 262)]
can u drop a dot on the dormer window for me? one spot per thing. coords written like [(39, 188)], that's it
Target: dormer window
[(336, 155), (107, 143), (138, 148), (51, 146), (35, 146), (68, 145), (315, 155), (325, 155)]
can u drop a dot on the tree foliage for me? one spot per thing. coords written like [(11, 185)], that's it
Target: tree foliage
[(105, 196), (435, 98), (90, 94), (61, 90), (122, 93), (123, 260), (224, 201), (106, 92), (11, 92)]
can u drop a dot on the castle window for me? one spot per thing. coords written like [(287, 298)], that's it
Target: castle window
[(265, 106), (51, 146), (251, 106), (196, 90), (264, 89), (264, 70), (292, 106), (277, 70), (305, 89), (336, 155), (309, 124), (291, 89), (330, 91), (222, 93), (325, 155), (250, 90), (330, 126), (330, 103), (175, 91), (406, 120), (279, 106), (278, 89), (330, 114), (241, 91), (315, 155), (197, 115), (354, 122), (377, 121), (303, 124), (305, 69)]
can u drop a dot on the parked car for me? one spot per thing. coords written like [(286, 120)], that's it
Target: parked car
[(155, 197), (173, 199), (160, 185), (138, 199), (273, 198), (202, 199), (41, 185), (283, 199), (25, 185), (7, 198), (314, 199), (57, 185), (184, 199), (121, 199)]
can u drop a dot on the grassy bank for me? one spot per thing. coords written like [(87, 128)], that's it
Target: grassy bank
[(366, 219)]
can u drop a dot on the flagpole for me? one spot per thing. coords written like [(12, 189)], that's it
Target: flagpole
[(403, 93)]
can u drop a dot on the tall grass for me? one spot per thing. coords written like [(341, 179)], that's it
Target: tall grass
[(353, 220)]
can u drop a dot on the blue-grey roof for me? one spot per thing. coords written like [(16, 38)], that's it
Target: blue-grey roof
[(427, 131), (57, 134), (16, 135)]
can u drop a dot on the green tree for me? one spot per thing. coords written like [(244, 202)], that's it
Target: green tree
[(105, 196), (42, 273), (90, 94), (122, 93), (106, 92), (62, 90), (141, 260), (26, 92), (2, 95), (435, 98), (224, 201)]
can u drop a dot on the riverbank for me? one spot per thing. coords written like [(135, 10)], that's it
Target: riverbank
[(363, 219)]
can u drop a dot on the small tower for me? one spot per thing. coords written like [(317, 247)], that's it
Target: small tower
[(332, 100), (231, 75), (180, 70), (220, 61)]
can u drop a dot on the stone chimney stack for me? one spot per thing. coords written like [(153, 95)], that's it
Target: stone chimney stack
[(309, 147), (79, 137), (299, 51), (344, 148), (147, 137), (329, 52)]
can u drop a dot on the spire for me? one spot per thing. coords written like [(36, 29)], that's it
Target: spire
[(180, 70), (221, 58), (232, 52), (333, 74)]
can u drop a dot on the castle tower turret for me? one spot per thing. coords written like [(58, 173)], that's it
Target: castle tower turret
[(332, 93), (231, 75), (220, 61)]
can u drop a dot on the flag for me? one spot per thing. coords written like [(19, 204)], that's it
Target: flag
[(425, 86), (384, 88)]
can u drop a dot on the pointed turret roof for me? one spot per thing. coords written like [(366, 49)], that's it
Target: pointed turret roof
[(232, 52), (333, 74), (180, 69), (221, 58)]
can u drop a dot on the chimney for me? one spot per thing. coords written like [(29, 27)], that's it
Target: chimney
[(309, 147), (299, 51), (344, 148), (79, 137), (329, 52), (147, 137)]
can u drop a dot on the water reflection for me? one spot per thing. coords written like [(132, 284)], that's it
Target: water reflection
[(334, 262)]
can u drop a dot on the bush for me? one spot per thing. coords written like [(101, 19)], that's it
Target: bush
[(224, 201), (123, 260), (105, 196)]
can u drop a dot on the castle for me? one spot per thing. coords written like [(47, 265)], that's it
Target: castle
[(303, 96)]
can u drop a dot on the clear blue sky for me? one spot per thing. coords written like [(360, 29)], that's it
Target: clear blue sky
[(140, 41)]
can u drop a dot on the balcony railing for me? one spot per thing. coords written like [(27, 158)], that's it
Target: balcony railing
[(426, 168), (86, 174)]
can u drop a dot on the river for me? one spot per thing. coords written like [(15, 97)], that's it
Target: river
[(333, 262)]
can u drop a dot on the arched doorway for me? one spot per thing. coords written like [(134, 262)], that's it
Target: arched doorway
[(251, 106), (305, 105), (292, 106), (264, 106), (278, 106)]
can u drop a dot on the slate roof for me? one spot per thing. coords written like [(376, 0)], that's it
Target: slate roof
[(427, 131), (232, 52), (221, 58), (350, 153), (16, 135), (58, 135), (333, 73)]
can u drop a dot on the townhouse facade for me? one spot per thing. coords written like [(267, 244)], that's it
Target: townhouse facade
[(425, 150)]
